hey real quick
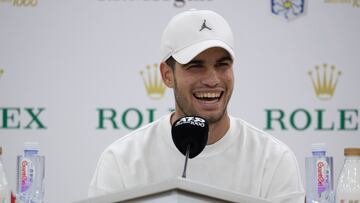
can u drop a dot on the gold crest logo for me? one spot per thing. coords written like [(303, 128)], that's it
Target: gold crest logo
[(154, 85), (324, 83), (1, 72)]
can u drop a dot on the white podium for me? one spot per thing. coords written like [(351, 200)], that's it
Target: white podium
[(177, 190)]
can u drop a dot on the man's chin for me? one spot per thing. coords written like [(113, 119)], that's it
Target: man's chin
[(213, 118)]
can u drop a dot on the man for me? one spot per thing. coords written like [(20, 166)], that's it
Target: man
[(197, 57)]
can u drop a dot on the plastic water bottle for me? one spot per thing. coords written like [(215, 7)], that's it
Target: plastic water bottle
[(4, 186), (348, 187), (319, 176), (30, 175)]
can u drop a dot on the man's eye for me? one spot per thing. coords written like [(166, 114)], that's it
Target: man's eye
[(195, 66), (223, 64)]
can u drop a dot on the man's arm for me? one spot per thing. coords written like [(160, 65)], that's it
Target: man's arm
[(286, 184), (107, 176)]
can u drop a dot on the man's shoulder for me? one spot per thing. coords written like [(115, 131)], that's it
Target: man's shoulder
[(139, 136), (252, 133)]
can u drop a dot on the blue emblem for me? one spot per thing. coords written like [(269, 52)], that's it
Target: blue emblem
[(289, 9)]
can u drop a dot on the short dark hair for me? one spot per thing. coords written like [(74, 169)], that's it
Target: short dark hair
[(171, 62)]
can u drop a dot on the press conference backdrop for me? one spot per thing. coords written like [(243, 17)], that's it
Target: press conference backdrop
[(77, 75)]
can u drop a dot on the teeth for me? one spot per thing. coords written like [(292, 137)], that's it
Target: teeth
[(208, 95)]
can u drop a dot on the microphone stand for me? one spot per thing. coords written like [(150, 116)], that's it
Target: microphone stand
[(186, 160)]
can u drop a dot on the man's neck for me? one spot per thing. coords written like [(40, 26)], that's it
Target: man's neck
[(218, 130)]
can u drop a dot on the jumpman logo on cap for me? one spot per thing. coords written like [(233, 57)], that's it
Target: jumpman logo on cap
[(204, 26)]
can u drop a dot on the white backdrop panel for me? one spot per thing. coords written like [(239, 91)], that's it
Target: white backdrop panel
[(74, 58)]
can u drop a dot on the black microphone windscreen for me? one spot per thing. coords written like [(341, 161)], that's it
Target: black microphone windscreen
[(190, 130)]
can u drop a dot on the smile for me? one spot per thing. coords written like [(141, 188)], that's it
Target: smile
[(208, 96)]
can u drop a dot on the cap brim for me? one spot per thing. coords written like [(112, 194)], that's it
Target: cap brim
[(186, 54)]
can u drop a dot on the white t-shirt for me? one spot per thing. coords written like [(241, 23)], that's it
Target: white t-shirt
[(245, 160)]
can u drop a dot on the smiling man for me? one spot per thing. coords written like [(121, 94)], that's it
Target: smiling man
[(202, 87), (197, 63)]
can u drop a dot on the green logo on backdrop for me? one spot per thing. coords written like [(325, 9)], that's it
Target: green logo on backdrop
[(302, 119), (132, 118), (21, 118), (324, 80)]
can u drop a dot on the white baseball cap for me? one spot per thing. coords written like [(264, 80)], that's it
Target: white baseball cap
[(191, 32)]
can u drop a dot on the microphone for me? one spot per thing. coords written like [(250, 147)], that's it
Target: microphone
[(190, 135)]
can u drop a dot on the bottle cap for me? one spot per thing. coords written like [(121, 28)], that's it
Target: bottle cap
[(31, 146), (352, 151), (318, 147)]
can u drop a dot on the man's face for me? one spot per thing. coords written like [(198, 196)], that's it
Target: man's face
[(203, 86)]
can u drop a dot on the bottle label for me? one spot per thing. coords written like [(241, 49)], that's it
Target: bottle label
[(27, 174), (322, 175)]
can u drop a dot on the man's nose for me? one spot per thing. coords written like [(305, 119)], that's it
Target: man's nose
[(211, 77)]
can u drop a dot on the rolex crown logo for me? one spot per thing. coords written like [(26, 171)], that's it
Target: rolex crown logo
[(154, 85), (324, 83)]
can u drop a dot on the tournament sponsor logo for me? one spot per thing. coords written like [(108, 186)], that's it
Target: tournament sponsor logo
[(20, 118), (154, 86), (129, 119), (132, 118), (175, 3), (324, 82), (353, 3), (288, 9), (20, 3)]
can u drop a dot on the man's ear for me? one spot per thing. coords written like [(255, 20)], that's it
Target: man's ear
[(167, 75)]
